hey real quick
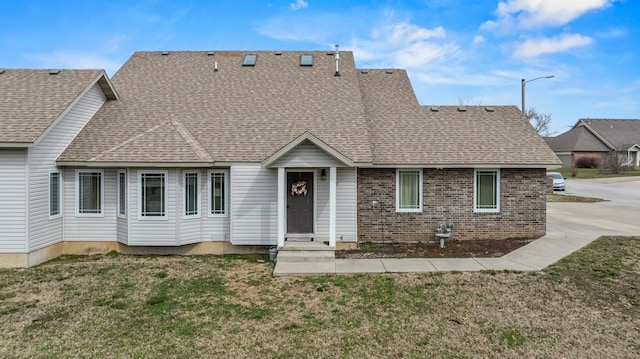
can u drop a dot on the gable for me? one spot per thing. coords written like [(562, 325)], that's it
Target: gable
[(305, 155), (33, 100), (578, 139), (615, 132)]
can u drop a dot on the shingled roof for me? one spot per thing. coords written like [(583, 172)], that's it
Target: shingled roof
[(599, 135), (176, 108), (404, 133), (32, 100), (206, 108)]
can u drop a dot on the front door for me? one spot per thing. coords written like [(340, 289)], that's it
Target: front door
[(300, 202)]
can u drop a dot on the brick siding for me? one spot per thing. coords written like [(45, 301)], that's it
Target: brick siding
[(448, 198)]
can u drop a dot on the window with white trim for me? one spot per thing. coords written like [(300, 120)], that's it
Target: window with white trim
[(54, 194), (89, 192), (122, 193), (409, 190), (218, 193), (152, 201), (486, 197), (191, 194)]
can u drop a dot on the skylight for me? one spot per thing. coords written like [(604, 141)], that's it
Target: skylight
[(306, 60), (250, 60)]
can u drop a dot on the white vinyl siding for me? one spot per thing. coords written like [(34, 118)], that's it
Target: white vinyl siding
[(254, 205), (409, 190), (486, 196), (45, 230), (13, 197), (55, 189), (145, 232), (152, 199), (218, 193), (346, 205), (307, 155), (90, 228), (191, 194)]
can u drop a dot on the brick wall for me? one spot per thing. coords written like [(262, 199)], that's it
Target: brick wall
[(448, 198)]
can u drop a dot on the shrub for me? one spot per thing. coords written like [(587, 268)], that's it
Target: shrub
[(587, 162)]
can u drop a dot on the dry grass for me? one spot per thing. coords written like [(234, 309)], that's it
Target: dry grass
[(555, 197), (231, 307)]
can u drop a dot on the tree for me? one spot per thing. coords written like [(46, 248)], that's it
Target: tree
[(467, 101), (540, 122)]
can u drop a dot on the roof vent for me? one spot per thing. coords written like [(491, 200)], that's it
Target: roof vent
[(388, 72), (215, 66), (250, 60), (489, 109), (435, 108), (210, 53), (462, 109), (364, 72), (277, 53), (2, 71), (54, 72), (164, 53)]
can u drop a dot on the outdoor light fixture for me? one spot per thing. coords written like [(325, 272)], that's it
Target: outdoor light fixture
[(323, 175), (524, 82)]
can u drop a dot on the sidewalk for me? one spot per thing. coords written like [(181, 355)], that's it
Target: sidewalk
[(570, 227)]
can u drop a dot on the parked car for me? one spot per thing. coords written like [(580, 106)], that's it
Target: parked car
[(558, 181)]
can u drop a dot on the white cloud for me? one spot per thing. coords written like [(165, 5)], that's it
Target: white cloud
[(540, 46), (478, 39), (404, 45), (536, 13), (299, 4)]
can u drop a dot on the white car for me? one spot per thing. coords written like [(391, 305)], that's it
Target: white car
[(558, 181)]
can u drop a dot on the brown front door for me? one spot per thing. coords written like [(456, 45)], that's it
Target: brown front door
[(300, 202)]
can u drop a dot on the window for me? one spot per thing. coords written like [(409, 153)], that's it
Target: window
[(122, 193), (54, 194), (250, 60), (89, 193), (153, 195), (191, 190), (218, 190), (487, 191), (306, 60), (409, 190)]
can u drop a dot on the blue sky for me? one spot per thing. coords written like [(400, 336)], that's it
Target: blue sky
[(474, 51)]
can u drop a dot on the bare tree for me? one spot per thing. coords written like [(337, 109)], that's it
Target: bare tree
[(539, 121), (466, 101)]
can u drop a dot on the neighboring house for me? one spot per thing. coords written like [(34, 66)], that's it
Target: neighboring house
[(597, 138), (219, 152), (40, 113)]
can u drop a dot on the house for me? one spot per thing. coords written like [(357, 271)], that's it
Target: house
[(40, 113), (592, 140), (232, 151)]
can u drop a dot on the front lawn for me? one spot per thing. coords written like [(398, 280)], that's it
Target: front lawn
[(117, 306)]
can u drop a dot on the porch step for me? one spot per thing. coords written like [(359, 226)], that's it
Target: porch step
[(287, 255)]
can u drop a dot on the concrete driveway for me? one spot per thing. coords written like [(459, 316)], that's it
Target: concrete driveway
[(619, 215)]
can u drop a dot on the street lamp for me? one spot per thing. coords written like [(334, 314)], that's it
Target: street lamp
[(524, 82)]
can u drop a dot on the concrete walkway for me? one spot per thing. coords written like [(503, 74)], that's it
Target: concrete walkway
[(570, 226)]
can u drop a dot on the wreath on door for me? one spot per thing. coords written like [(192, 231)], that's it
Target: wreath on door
[(299, 188)]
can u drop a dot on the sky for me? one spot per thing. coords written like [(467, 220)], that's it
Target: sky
[(455, 51)]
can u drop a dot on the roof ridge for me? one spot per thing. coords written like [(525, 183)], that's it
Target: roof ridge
[(129, 140), (195, 145)]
